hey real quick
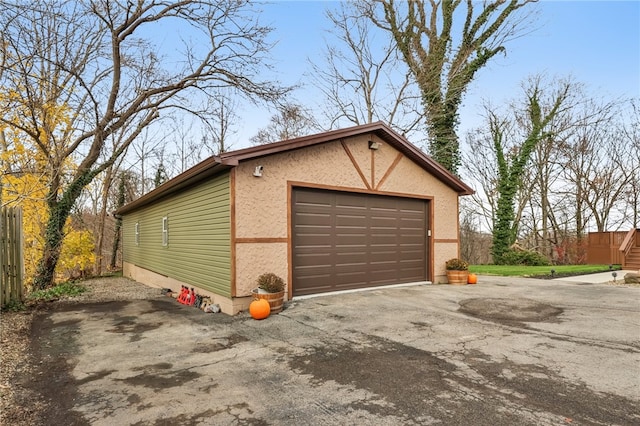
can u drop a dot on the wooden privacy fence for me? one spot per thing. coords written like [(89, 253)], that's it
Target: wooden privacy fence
[(11, 256), (604, 248)]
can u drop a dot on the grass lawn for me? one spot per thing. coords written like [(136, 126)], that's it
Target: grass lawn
[(539, 271)]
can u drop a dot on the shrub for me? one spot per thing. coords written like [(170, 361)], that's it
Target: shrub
[(456, 264), (270, 282), (67, 289), (524, 257)]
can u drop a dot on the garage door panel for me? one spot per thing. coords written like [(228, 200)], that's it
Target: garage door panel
[(315, 220), (343, 272), (350, 240), (410, 252), (364, 240), (344, 199), (350, 257), (314, 241), (411, 246), (306, 260), (383, 256)]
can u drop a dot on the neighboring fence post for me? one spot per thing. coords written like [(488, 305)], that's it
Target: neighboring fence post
[(11, 256)]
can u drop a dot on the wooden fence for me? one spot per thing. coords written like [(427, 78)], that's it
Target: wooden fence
[(604, 248), (11, 256)]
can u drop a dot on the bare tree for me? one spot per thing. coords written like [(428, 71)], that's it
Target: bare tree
[(83, 71), (475, 245), (142, 152), (186, 143), (444, 43), (537, 118), (106, 185), (364, 80), (195, 141), (629, 132), (548, 208), (221, 126), (291, 121), (123, 194), (595, 160), (580, 174)]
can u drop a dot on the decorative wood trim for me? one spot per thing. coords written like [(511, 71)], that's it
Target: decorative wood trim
[(359, 190), (289, 245), (458, 222), (390, 169), (232, 200), (355, 164), (373, 168), (446, 240), (431, 242), (262, 240)]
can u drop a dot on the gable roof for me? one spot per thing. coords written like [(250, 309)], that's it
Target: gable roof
[(227, 160)]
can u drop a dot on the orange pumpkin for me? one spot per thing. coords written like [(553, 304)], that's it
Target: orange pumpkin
[(472, 279), (259, 309)]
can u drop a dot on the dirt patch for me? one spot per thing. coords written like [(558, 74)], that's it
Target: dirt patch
[(167, 380), (424, 388), (53, 349), (509, 310), (21, 374), (224, 343), (410, 383), (132, 327), (201, 418), (544, 390)]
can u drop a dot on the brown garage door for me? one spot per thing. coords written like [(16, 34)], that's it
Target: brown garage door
[(345, 241)]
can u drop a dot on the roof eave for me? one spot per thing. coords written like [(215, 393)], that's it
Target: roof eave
[(227, 160), (209, 167), (379, 128)]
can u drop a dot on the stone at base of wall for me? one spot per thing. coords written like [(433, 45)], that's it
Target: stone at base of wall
[(632, 278), (229, 306), (440, 279)]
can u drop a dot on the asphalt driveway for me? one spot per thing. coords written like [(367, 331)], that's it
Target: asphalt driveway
[(503, 352)]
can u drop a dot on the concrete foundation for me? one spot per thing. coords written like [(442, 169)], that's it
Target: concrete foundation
[(228, 305)]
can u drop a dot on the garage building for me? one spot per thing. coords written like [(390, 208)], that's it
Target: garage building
[(347, 209)]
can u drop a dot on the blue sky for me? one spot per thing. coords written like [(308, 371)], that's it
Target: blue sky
[(596, 42)]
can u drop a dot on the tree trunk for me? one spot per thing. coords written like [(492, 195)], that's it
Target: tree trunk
[(444, 146), (54, 234), (45, 272), (121, 200), (116, 244), (503, 236), (106, 185)]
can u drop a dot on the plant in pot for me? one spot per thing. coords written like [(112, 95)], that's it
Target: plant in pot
[(270, 288), (457, 271)]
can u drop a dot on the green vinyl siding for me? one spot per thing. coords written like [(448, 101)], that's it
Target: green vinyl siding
[(198, 251)]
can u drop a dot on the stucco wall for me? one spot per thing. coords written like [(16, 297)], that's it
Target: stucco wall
[(262, 203)]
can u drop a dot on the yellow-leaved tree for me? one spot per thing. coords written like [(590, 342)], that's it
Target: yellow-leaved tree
[(24, 184), (81, 80)]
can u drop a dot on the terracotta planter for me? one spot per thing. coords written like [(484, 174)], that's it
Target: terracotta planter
[(276, 300), (457, 277)]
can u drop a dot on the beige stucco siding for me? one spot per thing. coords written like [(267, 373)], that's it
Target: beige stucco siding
[(252, 259), (262, 203)]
